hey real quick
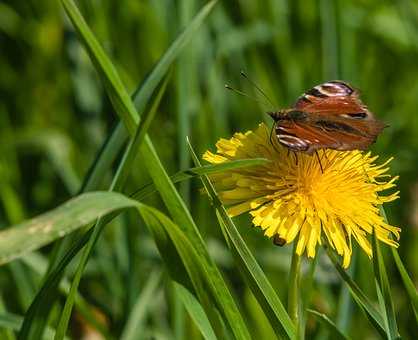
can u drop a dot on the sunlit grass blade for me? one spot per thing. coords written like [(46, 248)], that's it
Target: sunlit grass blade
[(201, 170), (170, 196), (258, 282), (182, 217), (106, 157), (173, 202), (384, 294), (134, 324), (332, 327), (196, 312), (78, 212), (359, 297), (32, 234), (121, 175)]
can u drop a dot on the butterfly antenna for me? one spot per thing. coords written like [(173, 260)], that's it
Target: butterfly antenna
[(244, 94), (271, 140), (253, 83)]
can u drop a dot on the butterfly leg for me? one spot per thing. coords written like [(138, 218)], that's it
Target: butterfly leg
[(319, 161), (296, 157), (271, 136)]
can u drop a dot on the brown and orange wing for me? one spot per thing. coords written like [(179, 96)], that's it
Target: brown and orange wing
[(333, 117), (320, 134)]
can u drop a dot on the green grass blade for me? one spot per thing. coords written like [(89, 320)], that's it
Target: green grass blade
[(406, 279), (182, 217), (361, 299), (185, 265), (169, 194), (109, 152), (258, 282), (121, 175), (134, 324), (332, 327), (200, 170), (196, 312), (383, 287), (32, 234), (112, 146), (144, 92), (407, 282)]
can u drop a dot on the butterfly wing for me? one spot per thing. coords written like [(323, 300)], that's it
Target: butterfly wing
[(330, 134), (332, 116)]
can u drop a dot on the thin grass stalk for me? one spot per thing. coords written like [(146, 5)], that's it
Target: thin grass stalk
[(294, 287)]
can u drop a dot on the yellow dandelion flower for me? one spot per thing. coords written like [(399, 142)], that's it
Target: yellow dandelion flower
[(293, 197)]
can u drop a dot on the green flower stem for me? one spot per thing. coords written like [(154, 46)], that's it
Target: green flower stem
[(293, 297)]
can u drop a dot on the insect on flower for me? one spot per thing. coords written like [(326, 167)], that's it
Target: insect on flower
[(328, 116), (304, 201)]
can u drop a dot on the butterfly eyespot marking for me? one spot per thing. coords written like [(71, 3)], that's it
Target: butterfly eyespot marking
[(357, 115)]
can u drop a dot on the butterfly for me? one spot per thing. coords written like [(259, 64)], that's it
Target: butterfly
[(328, 116)]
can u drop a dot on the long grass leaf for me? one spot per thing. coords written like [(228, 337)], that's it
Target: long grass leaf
[(200, 170), (32, 234), (176, 206), (384, 294), (185, 265), (102, 164), (258, 282), (121, 175), (406, 279)]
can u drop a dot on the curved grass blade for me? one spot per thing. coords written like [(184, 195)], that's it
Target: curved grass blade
[(43, 229), (201, 170), (335, 332), (258, 282), (361, 299), (383, 291), (182, 217), (174, 203), (195, 311), (57, 221), (185, 265), (117, 184), (103, 162), (126, 110)]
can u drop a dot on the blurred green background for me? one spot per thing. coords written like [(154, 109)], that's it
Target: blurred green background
[(54, 117)]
